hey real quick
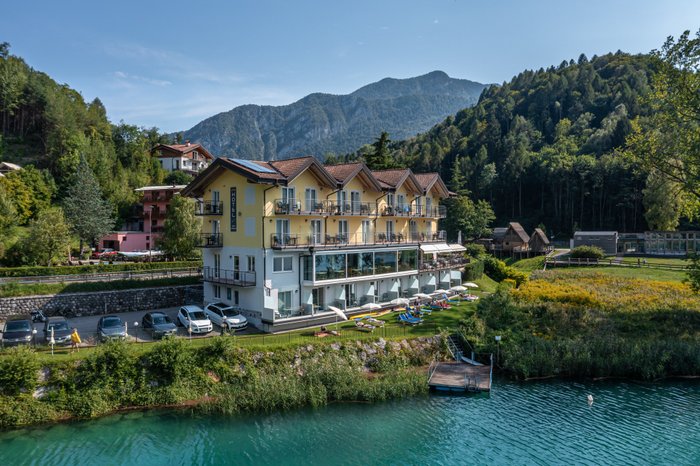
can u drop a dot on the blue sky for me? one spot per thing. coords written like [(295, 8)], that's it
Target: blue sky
[(171, 63)]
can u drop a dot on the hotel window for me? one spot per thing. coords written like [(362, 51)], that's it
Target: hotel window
[(343, 206), (284, 301), (390, 200), (235, 298), (282, 264), (228, 294), (217, 291), (343, 231), (289, 198), (251, 263), (390, 230), (310, 200), (401, 203)]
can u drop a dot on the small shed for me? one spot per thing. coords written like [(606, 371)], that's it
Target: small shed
[(606, 240), (539, 243)]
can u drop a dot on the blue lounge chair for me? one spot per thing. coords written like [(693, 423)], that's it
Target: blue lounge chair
[(407, 319)]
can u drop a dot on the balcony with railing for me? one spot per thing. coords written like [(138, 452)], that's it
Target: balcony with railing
[(229, 277), (348, 208), (211, 240), (434, 212), (291, 241), (297, 207), (442, 262), (209, 208), (399, 210)]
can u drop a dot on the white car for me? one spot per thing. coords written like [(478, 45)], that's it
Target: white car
[(193, 317), (224, 315)]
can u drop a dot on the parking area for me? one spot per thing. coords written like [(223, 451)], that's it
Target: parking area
[(87, 327)]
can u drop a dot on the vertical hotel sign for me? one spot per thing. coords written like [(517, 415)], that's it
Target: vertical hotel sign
[(234, 210)]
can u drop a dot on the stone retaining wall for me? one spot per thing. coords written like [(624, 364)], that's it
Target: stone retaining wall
[(85, 304)]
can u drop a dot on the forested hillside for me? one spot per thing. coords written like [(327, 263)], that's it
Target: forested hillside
[(79, 171), (547, 147), (46, 127), (323, 123)]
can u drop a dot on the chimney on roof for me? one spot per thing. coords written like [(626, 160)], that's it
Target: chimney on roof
[(187, 143)]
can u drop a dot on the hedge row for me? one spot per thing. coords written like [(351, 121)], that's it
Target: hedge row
[(36, 271)]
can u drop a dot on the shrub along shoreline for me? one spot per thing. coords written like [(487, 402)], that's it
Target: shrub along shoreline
[(220, 377)]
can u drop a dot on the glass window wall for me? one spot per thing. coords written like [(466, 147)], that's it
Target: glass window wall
[(385, 262), (408, 260), (330, 266)]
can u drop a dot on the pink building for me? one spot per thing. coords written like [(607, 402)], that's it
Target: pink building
[(143, 230)]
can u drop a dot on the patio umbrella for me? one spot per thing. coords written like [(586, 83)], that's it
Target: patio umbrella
[(371, 306), (459, 288), (440, 291), (471, 285), (338, 313), (422, 296), (399, 301)]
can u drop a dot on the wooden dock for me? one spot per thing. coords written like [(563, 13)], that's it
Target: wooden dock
[(455, 376)]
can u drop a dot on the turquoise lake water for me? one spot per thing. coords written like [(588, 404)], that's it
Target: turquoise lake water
[(532, 423)]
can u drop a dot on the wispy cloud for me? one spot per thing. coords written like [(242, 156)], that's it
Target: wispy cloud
[(175, 63), (133, 77), (436, 21)]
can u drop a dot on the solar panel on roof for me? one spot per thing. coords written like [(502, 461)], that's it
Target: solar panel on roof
[(253, 166)]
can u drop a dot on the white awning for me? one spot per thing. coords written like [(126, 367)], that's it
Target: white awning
[(435, 248), (457, 247)]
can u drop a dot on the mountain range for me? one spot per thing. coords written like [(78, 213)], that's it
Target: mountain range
[(324, 123)]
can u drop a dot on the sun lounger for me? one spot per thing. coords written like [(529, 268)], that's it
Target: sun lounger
[(375, 322), (363, 327), (406, 319)]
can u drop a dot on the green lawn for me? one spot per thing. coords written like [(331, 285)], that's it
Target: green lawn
[(632, 272), (534, 264)]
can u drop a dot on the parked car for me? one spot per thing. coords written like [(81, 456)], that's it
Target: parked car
[(158, 324), (18, 331), (227, 316), (193, 317), (111, 328), (61, 331)]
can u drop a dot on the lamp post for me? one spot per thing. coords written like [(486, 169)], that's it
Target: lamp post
[(498, 351), (136, 331), (52, 341), (34, 336)]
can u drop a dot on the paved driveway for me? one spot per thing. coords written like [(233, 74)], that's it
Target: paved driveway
[(87, 327)]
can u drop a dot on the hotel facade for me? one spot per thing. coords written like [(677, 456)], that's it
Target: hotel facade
[(284, 240)]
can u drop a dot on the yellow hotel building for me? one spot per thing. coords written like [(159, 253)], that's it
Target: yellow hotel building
[(283, 240)]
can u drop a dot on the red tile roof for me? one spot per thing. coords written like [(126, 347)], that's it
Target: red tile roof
[(391, 178), (426, 180), (291, 168), (343, 171), (184, 149)]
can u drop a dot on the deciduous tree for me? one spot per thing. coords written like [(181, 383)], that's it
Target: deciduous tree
[(49, 237), (181, 229)]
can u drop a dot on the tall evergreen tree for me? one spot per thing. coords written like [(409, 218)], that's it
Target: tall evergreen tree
[(89, 214), (378, 158)]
